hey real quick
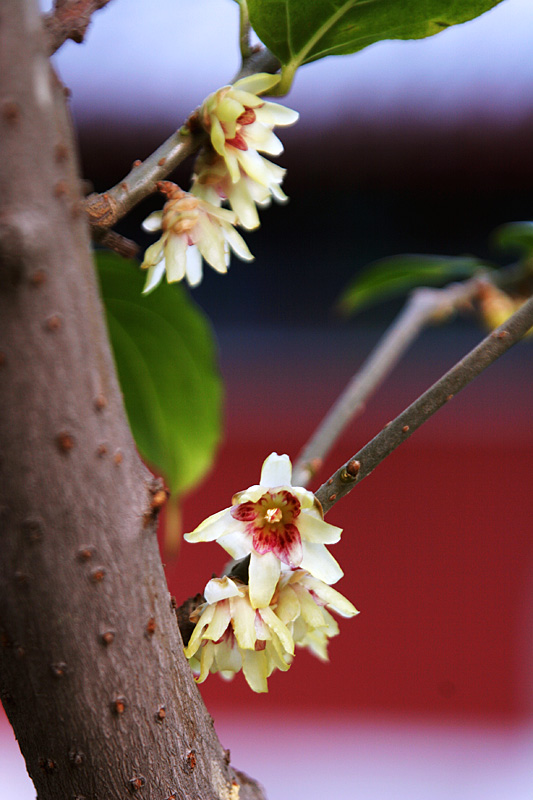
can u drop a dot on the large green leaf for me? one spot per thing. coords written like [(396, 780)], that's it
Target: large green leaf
[(165, 357), (397, 275), (515, 236), (300, 31)]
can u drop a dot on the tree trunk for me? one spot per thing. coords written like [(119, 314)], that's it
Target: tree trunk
[(93, 676)]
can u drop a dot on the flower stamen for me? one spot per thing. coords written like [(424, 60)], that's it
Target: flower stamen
[(273, 515)]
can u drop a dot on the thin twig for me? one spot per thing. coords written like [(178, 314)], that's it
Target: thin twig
[(382, 445), (423, 307), (106, 209), (69, 20), (116, 242), (367, 459), (244, 30)]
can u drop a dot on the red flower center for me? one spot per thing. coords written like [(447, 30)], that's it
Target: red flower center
[(238, 141), (247, 116), (270, 523)]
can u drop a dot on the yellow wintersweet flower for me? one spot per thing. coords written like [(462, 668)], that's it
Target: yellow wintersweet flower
[(240, 125), (276, 524), (213, 183), (313, 624), (192, 229), (231, 635)]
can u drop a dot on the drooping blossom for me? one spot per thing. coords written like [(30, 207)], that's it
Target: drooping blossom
[(192, 229), (304, 604), (213, 183), (240, 125), (279, 526), (231, 635)]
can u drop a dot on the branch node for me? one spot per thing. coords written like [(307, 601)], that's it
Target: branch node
[(101, 209), (70, 20), (350, 471)]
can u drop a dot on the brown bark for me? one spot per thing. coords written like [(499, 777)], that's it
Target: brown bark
[(70, 20), (92, 672)]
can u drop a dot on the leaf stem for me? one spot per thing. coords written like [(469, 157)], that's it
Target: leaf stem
[(244, 30), (473, 364), (424, 306)]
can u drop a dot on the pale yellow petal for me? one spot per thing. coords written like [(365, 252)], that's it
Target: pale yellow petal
[(153, 254), (288, 606), (228, 110), (228, 659), (258, 83), (276, 471), (277, 626), (210, 243), (214, 526), (253, 165), (330, 597), (277, 658), (311, 612), (197, 634), (153, 222), (221, 589), (319, 562), (193, 268), (317, 643), (237, 243), (243, 205), (206, 661), (219, 623), (231, 158), (316, 530), (175, 258), (255, 669), (275, 114), (263, 576), (243, 619), (262, 139), (154, 277), (218, 138)]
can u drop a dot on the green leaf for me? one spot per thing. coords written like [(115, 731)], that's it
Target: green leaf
[(397, 275), (515, 236), (165, 356), (300, 31)]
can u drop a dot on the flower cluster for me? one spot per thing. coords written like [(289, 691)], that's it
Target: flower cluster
[(240, 125), (255, 626), (230, 634), (213, 182), (192, 229)]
